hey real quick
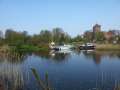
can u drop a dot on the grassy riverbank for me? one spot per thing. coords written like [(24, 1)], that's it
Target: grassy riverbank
[(102, 47), (24, 48), (45, 48), (31, 48)]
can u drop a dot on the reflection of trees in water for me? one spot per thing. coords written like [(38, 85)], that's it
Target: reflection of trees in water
[(55, 56), (88, 54), (97, 55), (77, 51), (43, 54), (111, 54), (11, 77), (97, 58), (61, 57)]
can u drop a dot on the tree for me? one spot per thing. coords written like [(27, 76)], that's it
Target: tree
[(59, 36), (14, 37), (118, 39), (88, 36), (45, 36), (1, 38), (99, 37), (78, 38), (57, 33)]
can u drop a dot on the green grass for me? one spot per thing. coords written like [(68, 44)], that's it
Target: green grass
[(115, 47), (30, 48)]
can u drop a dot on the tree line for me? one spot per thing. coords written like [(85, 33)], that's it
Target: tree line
[(57, 35), (13, 37)]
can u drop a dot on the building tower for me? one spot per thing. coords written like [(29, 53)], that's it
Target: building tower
[(96, 28)]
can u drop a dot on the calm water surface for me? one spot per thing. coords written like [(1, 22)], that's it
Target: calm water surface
[(73, 70)]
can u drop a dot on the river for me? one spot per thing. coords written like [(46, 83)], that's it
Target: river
[(67, 70)]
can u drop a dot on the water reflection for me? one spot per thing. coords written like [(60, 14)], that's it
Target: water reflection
[(79, 71), (57, 56), (98, 55), (60, 55)]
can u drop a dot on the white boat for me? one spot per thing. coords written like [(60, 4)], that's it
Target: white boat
[(60, 47), (63, 47)]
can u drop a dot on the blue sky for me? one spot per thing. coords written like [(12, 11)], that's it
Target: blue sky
[(74, 16)]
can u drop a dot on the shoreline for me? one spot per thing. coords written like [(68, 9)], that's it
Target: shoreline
[(25, 48), (108, 47)]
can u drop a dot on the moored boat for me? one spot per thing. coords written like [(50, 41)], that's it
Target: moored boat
[(87, 46), (60, 47)]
